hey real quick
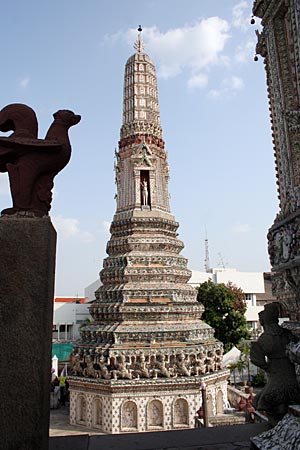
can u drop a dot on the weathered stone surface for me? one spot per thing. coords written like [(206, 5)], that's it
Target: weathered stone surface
[(269, 353), (279, 43), (27, 265)]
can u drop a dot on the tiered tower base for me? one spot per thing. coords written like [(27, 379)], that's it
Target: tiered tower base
[(144, 405)]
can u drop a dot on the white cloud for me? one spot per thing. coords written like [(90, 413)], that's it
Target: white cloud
[(114, 37), (235, 83), (241, 228), (198, 81), (192, 49), (24, 82), (214, 93), (4, 184), (70, 228), (228, 88), (241, 15), (105, 226), (245, 51)]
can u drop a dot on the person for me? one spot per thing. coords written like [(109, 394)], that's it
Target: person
[(269, 354), (54, 380), (250, 417), (62, 387)]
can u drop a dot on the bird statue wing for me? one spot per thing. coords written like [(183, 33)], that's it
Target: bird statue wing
[(9, 145)]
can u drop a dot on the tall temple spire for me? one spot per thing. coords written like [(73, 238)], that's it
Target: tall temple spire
[(140, 362)]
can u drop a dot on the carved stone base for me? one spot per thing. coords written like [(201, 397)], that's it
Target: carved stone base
[(121, 406)]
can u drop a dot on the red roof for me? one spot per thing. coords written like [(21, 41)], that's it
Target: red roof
[(69, 299)]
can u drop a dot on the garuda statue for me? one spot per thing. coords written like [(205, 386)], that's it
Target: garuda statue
[(33, 163), (269, 353)]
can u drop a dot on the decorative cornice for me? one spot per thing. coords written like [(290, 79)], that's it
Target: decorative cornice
[(155, 384), (141, 363), (140, 127)]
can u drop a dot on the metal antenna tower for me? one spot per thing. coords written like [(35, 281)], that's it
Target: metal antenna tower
[(221, 261), (206, 261)]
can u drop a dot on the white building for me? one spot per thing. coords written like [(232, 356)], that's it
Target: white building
[(68, 314), (252, 283)]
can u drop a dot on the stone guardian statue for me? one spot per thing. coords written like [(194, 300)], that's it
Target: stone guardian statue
[(269, 353)]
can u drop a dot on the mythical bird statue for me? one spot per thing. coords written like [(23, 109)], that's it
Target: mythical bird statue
[(33, 163)]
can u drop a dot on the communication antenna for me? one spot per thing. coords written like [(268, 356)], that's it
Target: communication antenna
[(206, 261), (221, 261)]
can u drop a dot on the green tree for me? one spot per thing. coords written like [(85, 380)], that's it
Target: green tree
[(244, 347), (260, 379), (241, 365), (224, 311), (232, 368)]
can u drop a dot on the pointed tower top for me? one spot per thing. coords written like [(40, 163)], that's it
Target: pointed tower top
[(140, 100), (139, 45)]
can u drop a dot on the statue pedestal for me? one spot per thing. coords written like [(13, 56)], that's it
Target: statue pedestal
[(27, 266)]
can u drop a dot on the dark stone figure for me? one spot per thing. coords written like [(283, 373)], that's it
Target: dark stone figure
[(269, 353), (33, 163)]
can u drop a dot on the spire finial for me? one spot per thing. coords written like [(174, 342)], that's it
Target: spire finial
[(139, 45)]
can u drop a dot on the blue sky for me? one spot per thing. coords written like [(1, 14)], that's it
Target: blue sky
[(214, 114)]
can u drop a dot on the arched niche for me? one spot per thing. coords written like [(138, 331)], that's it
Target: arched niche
[(210, 411), (220, 403), (97, 413), (155, 416), (129, 416), (181, 412), (81, 410)]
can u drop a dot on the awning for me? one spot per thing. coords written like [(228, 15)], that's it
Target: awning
[(62, 351), (231, 357)]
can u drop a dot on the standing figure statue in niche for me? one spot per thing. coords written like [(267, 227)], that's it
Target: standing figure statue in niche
[(33, 163), (269, 353), (145, 194)]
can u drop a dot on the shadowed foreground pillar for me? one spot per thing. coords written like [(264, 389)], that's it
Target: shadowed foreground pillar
[(27, 266)]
